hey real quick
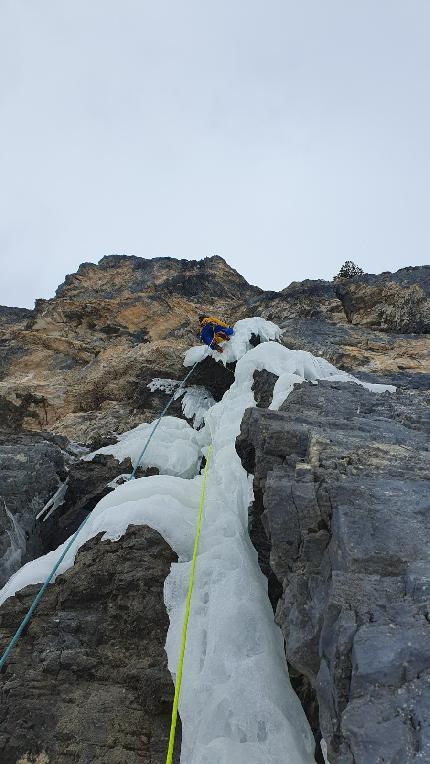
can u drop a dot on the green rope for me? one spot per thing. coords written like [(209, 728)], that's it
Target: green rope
[(186, 617)]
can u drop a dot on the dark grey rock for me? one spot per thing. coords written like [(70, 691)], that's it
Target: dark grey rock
[(9, 351), (31, 470), (397, 302), (9, 315), (216, 377), (342, 479), (87, 483), (264, 383), (32, 467), (89, 681)]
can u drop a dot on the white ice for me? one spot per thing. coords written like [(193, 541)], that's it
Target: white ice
[(236, 703), (195, 402), (295, 366), (182, 460), (166, 503), (11, 559), (56, 500), (165, 385)]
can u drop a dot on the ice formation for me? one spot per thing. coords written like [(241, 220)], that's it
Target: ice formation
[(165, 385), (237, 704), (17, 544), (182, 460), (195, 402), (54, 502)]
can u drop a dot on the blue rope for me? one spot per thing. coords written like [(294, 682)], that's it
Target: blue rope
[(43, 588), (167, 406)]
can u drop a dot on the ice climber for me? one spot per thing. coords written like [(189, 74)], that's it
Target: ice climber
[(213, 331)]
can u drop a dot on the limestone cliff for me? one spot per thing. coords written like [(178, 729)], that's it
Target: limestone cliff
[(339, 518), (79, 364)]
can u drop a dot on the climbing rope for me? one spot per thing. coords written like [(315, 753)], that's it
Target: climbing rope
[(157, 422), (187, 616), (41, 592)]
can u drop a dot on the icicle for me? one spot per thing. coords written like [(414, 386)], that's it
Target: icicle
[(54, 502), (11, 560)]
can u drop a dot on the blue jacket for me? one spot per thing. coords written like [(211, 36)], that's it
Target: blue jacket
[(208, 332)]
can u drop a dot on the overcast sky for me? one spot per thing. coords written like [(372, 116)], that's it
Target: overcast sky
[(285, 135)]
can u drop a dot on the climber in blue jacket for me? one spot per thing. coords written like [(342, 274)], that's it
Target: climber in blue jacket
[(213, 331)]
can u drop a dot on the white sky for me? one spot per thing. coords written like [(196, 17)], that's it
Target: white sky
[(285, 135)]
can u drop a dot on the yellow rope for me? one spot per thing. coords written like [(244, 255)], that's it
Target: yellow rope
[(186, 617)]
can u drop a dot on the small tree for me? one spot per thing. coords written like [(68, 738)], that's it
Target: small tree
[(349, 270)]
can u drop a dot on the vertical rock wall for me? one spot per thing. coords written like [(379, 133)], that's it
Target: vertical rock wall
[(343, 477)]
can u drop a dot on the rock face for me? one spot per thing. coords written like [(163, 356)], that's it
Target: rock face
[(342, 479), (374, 325), (89, 682), (79, 364), (339, 518), (32, 466), (85, 485), (392, 301)]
